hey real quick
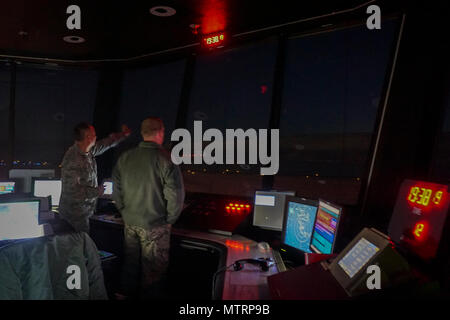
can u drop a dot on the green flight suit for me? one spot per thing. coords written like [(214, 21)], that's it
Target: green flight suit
[(149, 193)]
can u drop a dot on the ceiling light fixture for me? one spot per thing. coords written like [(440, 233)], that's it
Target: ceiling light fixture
[(162, 11), (74, 39)]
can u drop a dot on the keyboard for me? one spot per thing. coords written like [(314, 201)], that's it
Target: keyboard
[(278, 260)]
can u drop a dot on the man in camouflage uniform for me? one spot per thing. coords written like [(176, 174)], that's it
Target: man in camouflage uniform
[(149, 193), (80, 188)]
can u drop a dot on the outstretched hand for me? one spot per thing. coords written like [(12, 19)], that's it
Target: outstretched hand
[(125, 130)]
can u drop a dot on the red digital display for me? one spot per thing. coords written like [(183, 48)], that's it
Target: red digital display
[(425, 196), (420, 230), (214, 40), (419, 216)]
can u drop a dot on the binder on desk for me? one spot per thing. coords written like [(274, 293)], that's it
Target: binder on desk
[(309, 282), (311, 258)]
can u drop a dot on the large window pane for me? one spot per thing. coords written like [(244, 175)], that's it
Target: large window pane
[(153, 91), (332, 89), (4, 115), (49, 103), (441, 159), (231, 90)]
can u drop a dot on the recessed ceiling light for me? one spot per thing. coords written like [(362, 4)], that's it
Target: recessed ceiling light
[(162, 11), (74, 39)]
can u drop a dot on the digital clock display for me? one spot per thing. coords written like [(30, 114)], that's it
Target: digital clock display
[(419, 216), (214, 40), (425, 196)]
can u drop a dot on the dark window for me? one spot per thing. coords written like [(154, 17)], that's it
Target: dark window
[(5, 76), (49, 103), (231, 89), (441, 158), (332, 89), (153, 91)]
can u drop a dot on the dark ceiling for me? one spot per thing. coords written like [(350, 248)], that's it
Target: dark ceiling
[(126, 30)]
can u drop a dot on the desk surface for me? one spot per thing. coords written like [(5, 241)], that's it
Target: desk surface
[(250, 283)]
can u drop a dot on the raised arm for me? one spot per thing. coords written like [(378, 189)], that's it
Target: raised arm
[(111, 141)]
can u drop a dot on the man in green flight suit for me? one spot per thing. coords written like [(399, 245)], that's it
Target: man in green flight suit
[(80, 188), (149, 193)]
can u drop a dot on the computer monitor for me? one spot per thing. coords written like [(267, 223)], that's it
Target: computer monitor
[(325, 227), (19, 219), (7, 187), (299, 217), (24, 177), (268, 209), (48, 187), (108, 184), (369, 248)]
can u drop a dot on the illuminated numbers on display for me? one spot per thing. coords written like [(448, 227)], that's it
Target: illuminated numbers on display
[(413, 194), (419, 230), (437, 197), (423, 196), (214, 39)]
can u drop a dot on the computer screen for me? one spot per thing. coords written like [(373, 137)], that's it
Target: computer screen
[(358, 257), (268, 209), (300, 215), (108, 187), (7, 187), (45, 188), (325, 227), (19, 220), (23, 177)]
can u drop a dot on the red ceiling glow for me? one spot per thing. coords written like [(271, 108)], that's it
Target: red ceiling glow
[(213, 16)]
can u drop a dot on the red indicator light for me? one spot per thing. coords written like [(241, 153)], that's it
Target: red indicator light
[(247, 206), (234, 244)]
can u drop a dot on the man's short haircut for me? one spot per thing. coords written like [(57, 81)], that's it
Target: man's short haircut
[(80, 129), (151, 126)]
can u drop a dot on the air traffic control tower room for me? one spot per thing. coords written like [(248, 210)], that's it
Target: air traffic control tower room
[(224, 150)]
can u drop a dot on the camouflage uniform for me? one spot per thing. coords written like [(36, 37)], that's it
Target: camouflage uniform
[(146, 254), (149, 192), (79, 182)]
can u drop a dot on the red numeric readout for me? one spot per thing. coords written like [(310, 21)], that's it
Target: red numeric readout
[(425, 196)]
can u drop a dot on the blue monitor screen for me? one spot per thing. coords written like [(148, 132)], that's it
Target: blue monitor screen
[(299, 225), (358, 257), (7, 187)]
